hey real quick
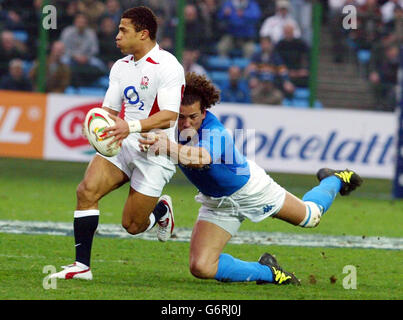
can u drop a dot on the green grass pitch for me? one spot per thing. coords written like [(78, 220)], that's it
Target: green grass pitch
[(34, 190)]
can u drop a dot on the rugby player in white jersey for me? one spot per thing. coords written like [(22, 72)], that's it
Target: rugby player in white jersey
[(150, 82)]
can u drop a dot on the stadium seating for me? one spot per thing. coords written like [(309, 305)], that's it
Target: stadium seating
[(217, 63), (91, 91), (27, 66), (363, 57), (86, 91), (301, 103), (241, 62), (20, 35), (219, 77), (70, 90), (301, 93), (102, 82), (235, 53), (218, 72)]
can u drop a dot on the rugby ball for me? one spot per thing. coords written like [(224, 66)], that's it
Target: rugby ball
[(96, 120)]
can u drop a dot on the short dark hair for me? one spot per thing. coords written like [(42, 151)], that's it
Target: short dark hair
[(199, 88), (143, 19)]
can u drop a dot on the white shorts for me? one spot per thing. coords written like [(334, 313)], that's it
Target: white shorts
[(148, 174), (259, 198)]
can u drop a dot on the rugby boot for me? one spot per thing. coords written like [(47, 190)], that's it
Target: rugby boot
[(166, 225), (349, 179), (73, 271), (279, 275)]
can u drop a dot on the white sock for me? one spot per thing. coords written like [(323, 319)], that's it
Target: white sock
[(152, 222), (86, 213)]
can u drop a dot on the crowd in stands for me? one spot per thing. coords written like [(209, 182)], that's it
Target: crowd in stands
[(256, 51), (376, 42)]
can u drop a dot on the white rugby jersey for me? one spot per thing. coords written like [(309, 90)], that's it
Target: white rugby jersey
[(153, 83)]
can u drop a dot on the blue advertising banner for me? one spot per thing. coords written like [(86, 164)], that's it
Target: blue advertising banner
[(398, 179)]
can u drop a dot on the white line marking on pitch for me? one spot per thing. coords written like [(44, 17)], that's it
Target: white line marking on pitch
[(24, 256), (184, 234)]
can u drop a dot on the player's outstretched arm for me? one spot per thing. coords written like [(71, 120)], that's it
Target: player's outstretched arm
[(188, 156), (161, 120)]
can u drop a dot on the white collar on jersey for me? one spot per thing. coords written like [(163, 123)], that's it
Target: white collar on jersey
[(147, 56)]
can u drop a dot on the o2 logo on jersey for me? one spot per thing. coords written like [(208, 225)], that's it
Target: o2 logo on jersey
[(132, 97)]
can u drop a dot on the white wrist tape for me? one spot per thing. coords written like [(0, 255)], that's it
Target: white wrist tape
[(134, 126)]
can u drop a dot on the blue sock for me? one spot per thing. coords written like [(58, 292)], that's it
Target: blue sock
[(231, 269), (324, 194)]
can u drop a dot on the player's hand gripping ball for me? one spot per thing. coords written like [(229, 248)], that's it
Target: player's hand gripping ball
[(96, 120)]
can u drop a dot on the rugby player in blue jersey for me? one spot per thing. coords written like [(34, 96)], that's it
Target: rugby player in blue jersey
[(233, 188)]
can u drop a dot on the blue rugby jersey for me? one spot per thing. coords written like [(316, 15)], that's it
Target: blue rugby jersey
[(229, 170)]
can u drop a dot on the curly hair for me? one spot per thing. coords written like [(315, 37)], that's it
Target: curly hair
[(142, 18), (199, 88)]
